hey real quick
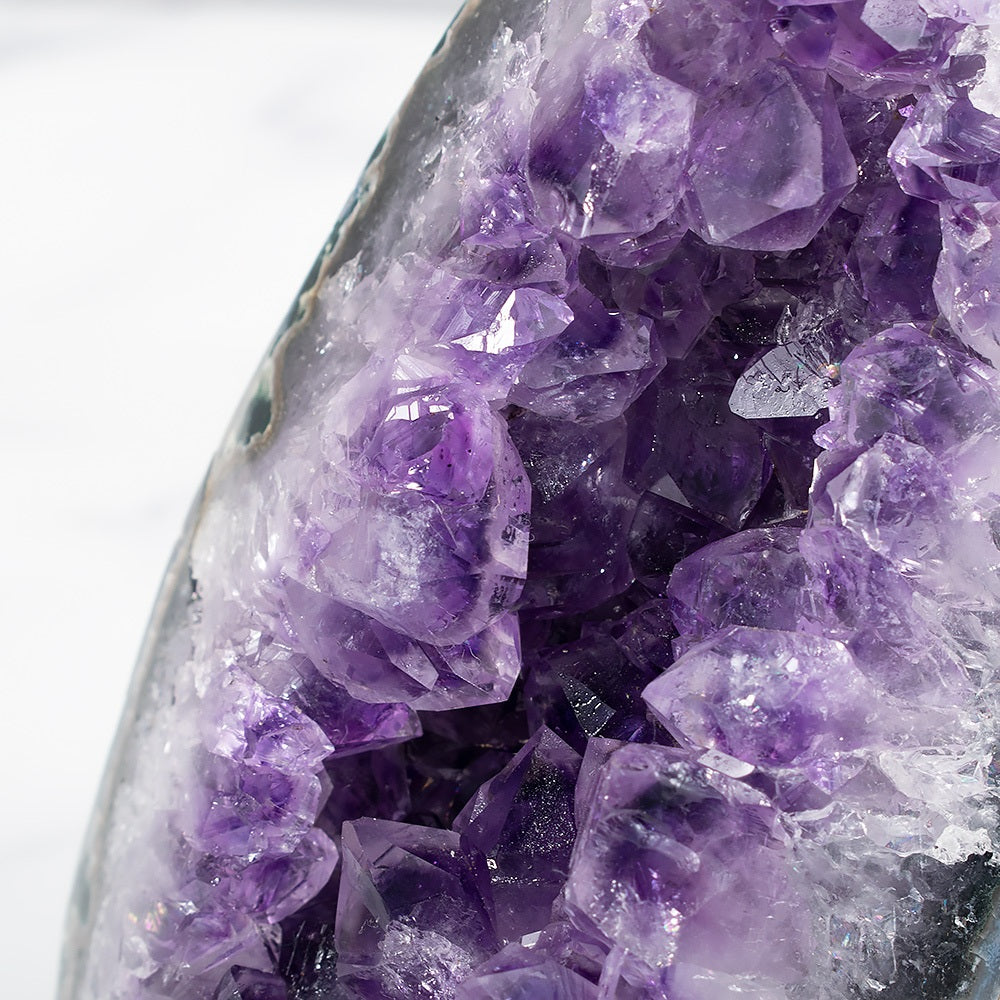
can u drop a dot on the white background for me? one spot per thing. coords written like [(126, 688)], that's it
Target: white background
[(167, 173)]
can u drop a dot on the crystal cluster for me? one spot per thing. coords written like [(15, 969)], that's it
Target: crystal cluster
[(597, 595)]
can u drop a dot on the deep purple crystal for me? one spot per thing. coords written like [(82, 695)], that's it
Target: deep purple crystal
[(522, 822), (606, 606)]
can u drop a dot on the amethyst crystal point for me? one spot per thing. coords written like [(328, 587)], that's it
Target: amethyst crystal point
[(795, 165), (249, 984), (767, 698), (432, 466), (529, 973), (415, 912), (522, 822), (751, 578), (669, 870), (597, 595)]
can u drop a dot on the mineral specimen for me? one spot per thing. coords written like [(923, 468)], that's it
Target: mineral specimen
[(597, 594)]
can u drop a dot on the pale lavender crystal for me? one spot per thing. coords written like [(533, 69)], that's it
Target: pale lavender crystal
[(890, 47), (963, 11), (529, 973), (795, 164), (374, 662), (967, 280), (609, 136), (669, 868), (752, 578), (433, 463), (706, 44), (894, 254), (597, 594), (949, 150), (768, 699)]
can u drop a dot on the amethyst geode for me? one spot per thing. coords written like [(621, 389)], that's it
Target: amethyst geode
[(596, 595)]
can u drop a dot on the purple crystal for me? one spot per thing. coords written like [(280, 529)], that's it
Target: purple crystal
[(966, 282), (806, 34), (526, 847), (578, 556), (414, 915), (249, 984), (687, 445), (768, 699), (434, 465), (528, 973), (752, 578), (948, 151), (795, 164), (590, 688), (609, 136), (597, 594), (667, 871)]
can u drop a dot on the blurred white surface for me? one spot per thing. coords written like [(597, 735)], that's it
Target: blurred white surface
[(168, 172)]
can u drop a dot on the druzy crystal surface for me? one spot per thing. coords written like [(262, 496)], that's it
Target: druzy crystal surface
[(596, 595)]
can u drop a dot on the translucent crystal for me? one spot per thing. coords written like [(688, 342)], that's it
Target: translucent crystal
[(596, 594)]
